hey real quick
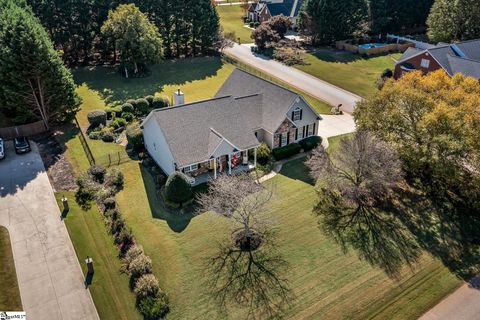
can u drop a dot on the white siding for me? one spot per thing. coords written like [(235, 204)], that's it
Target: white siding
[(223, 149), (268, 139), (157, 146), (308, 116)]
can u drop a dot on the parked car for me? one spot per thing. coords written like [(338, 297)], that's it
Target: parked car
[(2, 149), (22, 145)]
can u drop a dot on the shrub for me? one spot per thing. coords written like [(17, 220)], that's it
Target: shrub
[(263, 153), (143, 107), (387, 73), (86, 190), (160, 102), (124, 236), (153, 308), (146, 286), (118, 123), (133, 102), (128, 116), (103, 193), (98, 173), (132, 253), (116, 225), (135, 137), (256, 24), (177, 188), (251, 24), (109, 203), (128, 107), (95, 135), (310, 143), (139, 266), (117, 111), (108, 136), (114, 178), (287, 151), (97, 117), (150, 98)]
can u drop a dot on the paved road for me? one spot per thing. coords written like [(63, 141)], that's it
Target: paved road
[(49, 275), (463, 304), (301, 80)]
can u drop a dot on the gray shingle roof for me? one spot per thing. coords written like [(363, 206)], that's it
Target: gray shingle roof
[(276, 99), (410, 52), (193, 131), (467, 67)]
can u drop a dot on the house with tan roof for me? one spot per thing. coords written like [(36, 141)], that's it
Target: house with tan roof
[(221, 135)]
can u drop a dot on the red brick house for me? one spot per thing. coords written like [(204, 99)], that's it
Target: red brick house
[(265, 9), (461, 57)]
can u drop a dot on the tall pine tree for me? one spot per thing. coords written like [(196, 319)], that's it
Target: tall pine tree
[(34, 83)]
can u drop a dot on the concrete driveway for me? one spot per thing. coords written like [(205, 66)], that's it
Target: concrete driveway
[(463, 304), (301, 80), (49, 275), (332, 125)]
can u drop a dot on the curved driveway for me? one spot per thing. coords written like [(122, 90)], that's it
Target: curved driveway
[(317, 88), (48, 272)]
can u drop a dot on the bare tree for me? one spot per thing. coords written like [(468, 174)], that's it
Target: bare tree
[(224, 40), (247, 270), (355, 188)]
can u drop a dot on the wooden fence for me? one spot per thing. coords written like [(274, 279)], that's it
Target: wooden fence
[(29, 129)]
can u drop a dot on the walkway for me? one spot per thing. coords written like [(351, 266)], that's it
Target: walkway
[(49, 275), (463, 304), (320, 89)]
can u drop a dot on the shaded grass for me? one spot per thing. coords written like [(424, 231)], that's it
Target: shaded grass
[(334, 142), (109, 288), (231, 19), (9, 292), (328, 283), (346, 70)]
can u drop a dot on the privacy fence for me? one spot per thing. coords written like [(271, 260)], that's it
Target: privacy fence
[(29, 129)]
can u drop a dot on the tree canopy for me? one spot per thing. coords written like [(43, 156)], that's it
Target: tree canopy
[(137, 39), (34, 83), (454, 20)]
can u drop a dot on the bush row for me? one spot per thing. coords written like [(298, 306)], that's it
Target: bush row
[(310, 143), (287, 151), (101, 185)]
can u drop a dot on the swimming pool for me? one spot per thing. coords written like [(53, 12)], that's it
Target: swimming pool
[(371, 45)]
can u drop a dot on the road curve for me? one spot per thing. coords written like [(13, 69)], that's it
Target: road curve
[(317, 88)]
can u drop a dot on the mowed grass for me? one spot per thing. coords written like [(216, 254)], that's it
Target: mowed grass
[(231, 19), (9, 292), (327, 283), (109, 288), (334, 142), (346, 70)]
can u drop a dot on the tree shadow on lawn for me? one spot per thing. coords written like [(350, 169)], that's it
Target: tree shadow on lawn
[(337, 56), (112, 86), (176, 220), (447, 230), (297, 170)]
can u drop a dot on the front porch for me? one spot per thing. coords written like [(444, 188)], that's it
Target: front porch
[(235, 163)]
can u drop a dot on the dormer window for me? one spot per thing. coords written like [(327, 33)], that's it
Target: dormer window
[(297, 114), (425, 63)]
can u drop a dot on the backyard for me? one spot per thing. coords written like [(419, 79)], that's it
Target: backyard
[(9, 293), (231, 19), (346, 70)]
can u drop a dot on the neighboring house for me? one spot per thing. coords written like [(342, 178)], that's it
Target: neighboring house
[(461, 57), (265, 9), (221, 134)]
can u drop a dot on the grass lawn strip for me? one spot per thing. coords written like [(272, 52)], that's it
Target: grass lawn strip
[(110, 288), (231, 19), (9, 293)]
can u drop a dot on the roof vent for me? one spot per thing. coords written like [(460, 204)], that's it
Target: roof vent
[(178, 98)]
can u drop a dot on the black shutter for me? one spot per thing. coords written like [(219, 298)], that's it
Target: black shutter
[(293, 115), (301, 112), (288, 137), (279, 140), (314, 124), (296, 134), (303, 132)]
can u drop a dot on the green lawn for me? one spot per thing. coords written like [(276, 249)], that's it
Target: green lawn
[(346, 70), (9, 293), (109, 288), (334, 142), (327, 283), (231, 19)]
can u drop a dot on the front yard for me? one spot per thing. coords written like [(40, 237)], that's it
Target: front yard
[(231, 19), (9, 292), (346, 70), (327, 283)]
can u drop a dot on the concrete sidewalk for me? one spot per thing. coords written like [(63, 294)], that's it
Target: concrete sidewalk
[(49, 275), (315, 87), (463, 304)]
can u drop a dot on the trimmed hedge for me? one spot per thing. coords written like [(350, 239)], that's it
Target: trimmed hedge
[(108, 136), (287, 151), (310, 143), (150, 98), (142, 106), (127, 107), (128, 116), (263, 153), (118, 123), (133, 102), (160, 102), (97, 117), (117, 111), (135, 137), (178, 189)]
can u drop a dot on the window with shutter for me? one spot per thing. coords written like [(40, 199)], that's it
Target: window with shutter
[(297, 114)]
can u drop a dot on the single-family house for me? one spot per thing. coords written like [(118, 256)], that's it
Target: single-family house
[(265, 9), (221, 135), (461, 57)]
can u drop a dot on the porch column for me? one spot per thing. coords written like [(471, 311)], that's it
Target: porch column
[(255, 157), (215, 168), (229, 164)]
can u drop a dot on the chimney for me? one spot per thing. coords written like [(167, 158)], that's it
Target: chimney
[(178, 98)]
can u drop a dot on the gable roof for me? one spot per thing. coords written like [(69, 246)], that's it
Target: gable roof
[(276, 99), (461, 57), (288, 8)]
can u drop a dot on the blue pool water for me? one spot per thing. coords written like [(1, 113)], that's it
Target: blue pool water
[(371, 45)]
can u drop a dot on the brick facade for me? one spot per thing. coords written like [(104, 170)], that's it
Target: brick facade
[(416, 62), (286, 126)]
